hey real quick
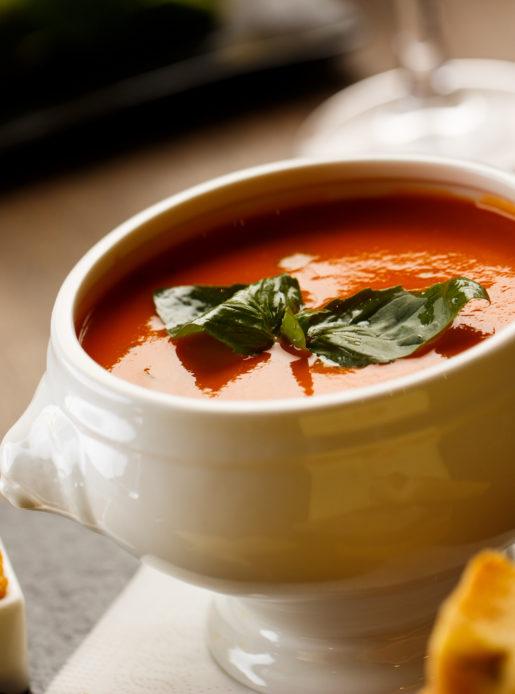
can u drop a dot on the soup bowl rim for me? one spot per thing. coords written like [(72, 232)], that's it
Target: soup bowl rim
[(66, 344)]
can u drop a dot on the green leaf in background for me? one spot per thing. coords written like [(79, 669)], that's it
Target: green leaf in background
[(52, 51), (370, 327), (378, 326), (247, 318)]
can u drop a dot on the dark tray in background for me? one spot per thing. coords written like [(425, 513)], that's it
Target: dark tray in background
[(111, 95)]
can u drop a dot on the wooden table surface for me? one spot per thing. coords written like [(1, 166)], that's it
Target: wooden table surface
[(47, 224)]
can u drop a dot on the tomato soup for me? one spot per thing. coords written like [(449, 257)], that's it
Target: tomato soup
[(334, 250)]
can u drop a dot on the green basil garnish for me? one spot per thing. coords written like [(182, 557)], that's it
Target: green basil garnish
[(247, 318), (373, 326), (378, 326)]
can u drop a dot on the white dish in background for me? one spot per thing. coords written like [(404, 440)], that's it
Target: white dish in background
[(375, 116), (14, 674)]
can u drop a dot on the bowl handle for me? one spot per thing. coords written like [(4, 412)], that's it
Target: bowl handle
[(41, 460)]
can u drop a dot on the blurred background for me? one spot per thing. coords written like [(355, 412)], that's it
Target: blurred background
[(88, 78), (107, 106)]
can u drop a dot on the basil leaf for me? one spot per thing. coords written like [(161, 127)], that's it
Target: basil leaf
[(373, 326), (247, 318), (292, 330), (178, 306), (378, 326)]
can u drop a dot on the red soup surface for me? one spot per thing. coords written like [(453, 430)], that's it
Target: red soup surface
[(333, 250)]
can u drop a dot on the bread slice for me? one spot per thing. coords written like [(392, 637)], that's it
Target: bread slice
[(3, 578), (472, 646)]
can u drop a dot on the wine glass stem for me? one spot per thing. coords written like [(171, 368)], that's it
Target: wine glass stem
[(419, 45)]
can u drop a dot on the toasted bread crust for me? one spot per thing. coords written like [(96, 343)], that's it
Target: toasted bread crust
[(472, 646), (3, 578)]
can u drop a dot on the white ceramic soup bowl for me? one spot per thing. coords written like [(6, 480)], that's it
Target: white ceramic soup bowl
[(330, 527)]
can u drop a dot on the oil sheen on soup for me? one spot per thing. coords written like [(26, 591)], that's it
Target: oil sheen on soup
[(334, 250)]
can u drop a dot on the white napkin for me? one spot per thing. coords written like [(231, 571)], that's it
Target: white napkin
[(151, 639)]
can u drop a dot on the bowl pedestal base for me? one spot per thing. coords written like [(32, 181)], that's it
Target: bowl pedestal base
[(371, 642)]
